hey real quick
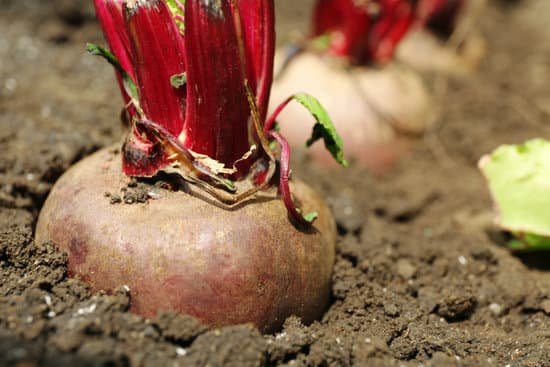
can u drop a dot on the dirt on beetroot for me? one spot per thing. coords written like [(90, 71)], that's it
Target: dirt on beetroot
[(420, 277)]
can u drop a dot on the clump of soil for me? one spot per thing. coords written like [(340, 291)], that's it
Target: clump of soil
[(134, 193), (417, 279)]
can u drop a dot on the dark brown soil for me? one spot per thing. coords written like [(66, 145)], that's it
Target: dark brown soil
[(417, 281)]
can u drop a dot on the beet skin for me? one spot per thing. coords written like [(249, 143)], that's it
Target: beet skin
[(182, 253)]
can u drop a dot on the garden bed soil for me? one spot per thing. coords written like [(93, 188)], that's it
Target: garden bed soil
[(418, 279)]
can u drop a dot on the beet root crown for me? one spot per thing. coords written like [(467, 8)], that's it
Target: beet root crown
[(196, 76), (367, 31)]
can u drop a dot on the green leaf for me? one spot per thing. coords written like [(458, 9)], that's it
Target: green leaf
[(273, 145), (310, 217), (129, 85), (321, 43), (177, 12), (324, 127), (97, 50), (519, 182), (178, 80), (529, 242)]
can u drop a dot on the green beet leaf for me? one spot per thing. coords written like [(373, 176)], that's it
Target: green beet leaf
[(324, 127), (519, 182), (129, 84), (529, 242)]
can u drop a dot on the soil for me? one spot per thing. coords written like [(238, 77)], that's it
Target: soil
[(419, 280)]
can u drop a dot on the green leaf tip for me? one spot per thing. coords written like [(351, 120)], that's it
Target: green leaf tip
[(323, 128), (97, 50), (129, 84), (529, 242), (321, 43), (519, 181), (311, 217)]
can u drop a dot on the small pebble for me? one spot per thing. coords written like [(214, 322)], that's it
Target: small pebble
[(496, 309), (405, 269), (10, 85), (391, 310)]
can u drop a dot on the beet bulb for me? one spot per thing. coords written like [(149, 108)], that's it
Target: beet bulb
[(220, 231), (380, 107), (445, 38)]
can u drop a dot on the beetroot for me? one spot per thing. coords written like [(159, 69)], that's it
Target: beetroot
[(218, 240), (379, 112), (445, 38), (182, 253), (379, 106)]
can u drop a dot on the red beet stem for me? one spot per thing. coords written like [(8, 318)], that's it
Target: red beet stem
[(218, 113), (222, 45), (347, 24), (203, 76), (284, 186), (257, 18), (395, 20), (142, 157), (111, 17), (158, 54), (363, 31), (270, 122)]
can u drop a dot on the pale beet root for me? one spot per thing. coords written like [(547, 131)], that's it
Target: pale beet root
[(379, 112), (181, 253), (457, 54), (425, 52)]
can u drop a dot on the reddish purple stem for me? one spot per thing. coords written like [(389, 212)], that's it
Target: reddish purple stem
[(217, 110), (158, 53), (358, 32), (225, 43), (111, 17), (284, 177), (270, 122), (257, 18)]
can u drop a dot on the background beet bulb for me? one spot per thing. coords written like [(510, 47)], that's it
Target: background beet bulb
[(380, 107), (216, 238), (445, 38)]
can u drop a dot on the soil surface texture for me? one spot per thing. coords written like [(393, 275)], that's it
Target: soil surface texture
[(419, 280)]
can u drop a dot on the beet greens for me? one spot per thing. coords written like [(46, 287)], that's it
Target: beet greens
[(196, 78)]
